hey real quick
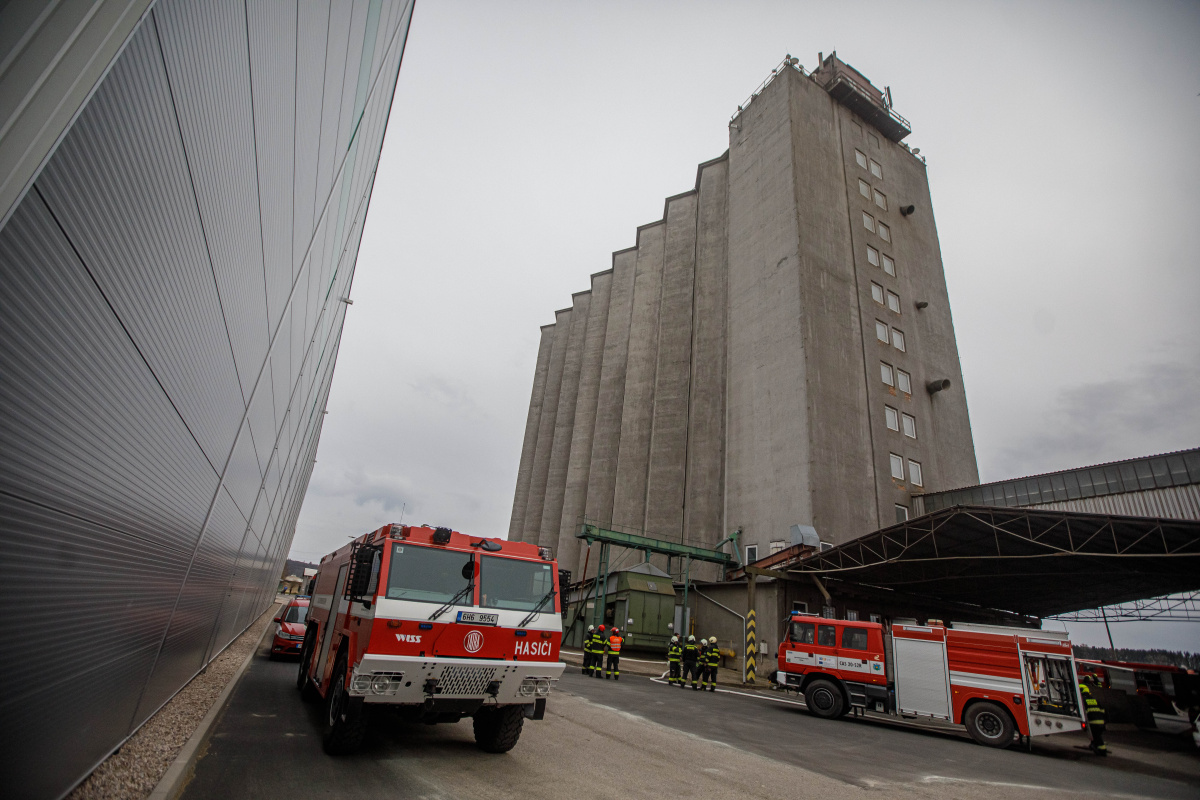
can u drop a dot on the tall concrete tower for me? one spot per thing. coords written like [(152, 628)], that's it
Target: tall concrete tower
[(776, 351)]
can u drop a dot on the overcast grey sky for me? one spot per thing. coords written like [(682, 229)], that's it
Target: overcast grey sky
[(528, 140)]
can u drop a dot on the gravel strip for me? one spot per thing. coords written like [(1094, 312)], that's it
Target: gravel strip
[(136, 768)]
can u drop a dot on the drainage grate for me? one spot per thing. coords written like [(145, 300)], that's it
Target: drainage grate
[(465, 680)]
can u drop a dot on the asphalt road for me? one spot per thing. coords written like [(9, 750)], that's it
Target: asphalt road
[(630, 739)]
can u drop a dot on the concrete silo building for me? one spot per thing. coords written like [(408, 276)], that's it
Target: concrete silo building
[(183, 187), (776, 351)]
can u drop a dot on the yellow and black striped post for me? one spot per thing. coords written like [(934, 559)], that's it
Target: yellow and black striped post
[(751, 646)]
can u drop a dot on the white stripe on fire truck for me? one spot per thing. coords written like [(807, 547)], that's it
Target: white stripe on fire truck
[(993, 683)]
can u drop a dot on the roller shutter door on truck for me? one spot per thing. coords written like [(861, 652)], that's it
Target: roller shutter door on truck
[(921, 685)]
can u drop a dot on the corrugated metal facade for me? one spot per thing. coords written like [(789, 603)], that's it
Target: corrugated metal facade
[(168, 330), (1165, 486)]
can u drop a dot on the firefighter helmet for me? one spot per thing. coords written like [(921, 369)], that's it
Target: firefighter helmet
[(691, 638), (602, 629), (616, 631), (591, 627), (712, 640), (675, 638)]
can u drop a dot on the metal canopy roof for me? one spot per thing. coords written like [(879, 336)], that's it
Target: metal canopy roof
[(1031, 562)]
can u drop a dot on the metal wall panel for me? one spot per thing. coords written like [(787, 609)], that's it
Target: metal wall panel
[(119, 185), (205, 50), (180, 258)]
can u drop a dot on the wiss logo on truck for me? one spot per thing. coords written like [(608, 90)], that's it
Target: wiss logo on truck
[(436, 624)]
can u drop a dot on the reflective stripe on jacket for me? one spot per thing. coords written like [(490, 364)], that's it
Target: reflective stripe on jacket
[(614, 644), (690, 652), (713, 654), (674, 651)]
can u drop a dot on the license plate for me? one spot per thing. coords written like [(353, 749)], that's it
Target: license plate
[(477, 618)]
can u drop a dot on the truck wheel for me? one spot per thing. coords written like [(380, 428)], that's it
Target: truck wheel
[(824, 699), (345, 717), (989, 724), (497, 729), (308, 692)]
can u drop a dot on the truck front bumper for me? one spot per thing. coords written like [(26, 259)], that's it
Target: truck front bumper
[(411, 680)]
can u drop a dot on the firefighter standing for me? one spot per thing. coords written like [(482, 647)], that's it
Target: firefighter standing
[(587, 650), (613, 648), (674, 652), (1095, 716), (712, 659), (691, 654), (598, 637)]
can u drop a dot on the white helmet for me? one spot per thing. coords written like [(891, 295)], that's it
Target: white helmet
[(691, 638), (712, 640), (591, 627), (675, 638)]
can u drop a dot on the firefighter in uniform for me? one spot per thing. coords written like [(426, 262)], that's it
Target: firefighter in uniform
[(712, 659), (1095, 716), (691, 654), (613, 649), (597, 645), (674, 652), (587, 650)]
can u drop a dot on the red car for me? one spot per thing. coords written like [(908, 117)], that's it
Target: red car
[(290, 633)]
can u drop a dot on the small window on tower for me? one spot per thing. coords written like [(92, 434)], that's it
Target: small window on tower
[(885, 232), (897, 466), (864, 188), (869, 222), (901, 516), (751, 553), (887, 373), (903, 381), (892, 418), (861, 158), (873, 139), (873, 256), (898, 339), (856, 128), (876, 170), (889, 266), (910, 425), (893, 301), (881, 331), (881, 199), (877, 293), (914, 473)]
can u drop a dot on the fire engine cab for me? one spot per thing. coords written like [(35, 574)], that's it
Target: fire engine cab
[(995, 680), (439, 626)]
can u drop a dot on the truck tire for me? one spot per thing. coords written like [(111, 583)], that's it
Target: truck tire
[(824, 699), (497, 729), (989, 724), (345, 717), (308, 692)]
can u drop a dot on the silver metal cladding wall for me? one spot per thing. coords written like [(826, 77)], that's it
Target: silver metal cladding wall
[(169, 326)]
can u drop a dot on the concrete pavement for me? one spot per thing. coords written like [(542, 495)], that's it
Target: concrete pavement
[(632, 739)]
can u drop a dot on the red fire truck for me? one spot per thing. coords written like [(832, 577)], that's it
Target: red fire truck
[(439, 626), (995, 680)]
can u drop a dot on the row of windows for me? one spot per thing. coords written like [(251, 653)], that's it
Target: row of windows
[(914, 469), (868, 164), (896, 378), (896, 420), (866, 191), (888, 334), (883, 231), (881, 260), (878, 295)]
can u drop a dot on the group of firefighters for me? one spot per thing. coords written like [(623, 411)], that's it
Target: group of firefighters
[(597, 644), (694, 660)]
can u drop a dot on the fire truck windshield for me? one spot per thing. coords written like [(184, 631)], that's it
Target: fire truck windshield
[(426, 574), (515, 584)]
